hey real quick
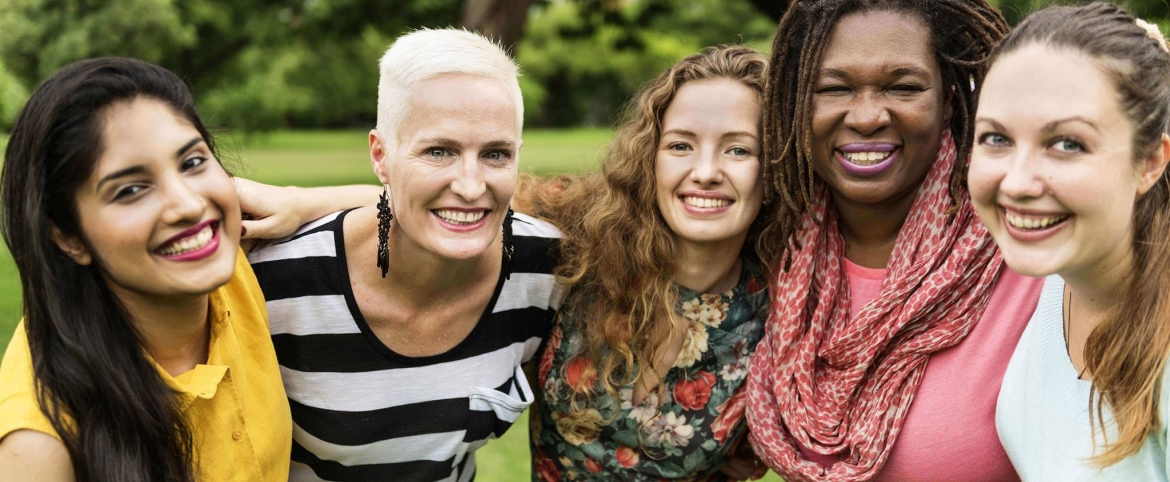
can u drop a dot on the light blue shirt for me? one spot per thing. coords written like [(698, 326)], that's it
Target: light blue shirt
[(1043, 412)]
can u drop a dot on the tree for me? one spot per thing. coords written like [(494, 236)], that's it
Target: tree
[(502, 20)]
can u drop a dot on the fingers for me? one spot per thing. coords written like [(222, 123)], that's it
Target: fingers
[(266, 228)]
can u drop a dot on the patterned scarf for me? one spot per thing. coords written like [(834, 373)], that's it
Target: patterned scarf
[(842, 386)]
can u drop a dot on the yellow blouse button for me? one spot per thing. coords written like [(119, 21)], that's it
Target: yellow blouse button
[(237, 435)]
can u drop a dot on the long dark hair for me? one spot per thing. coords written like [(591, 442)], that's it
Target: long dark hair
[(1126, 352), (115, 414), (962, 33)]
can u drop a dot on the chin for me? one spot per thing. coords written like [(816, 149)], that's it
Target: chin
[(1036, 265)]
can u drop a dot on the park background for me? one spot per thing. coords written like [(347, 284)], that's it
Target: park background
[(289, 86)]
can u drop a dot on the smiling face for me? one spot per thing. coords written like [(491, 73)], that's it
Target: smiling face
[(453, 171), (159, 215), (707, 168), (1053, 173), (879, 110)]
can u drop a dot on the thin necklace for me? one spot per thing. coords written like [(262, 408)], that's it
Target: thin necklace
[(1067, 326)]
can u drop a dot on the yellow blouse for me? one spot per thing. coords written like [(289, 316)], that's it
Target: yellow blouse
[(235, 403)]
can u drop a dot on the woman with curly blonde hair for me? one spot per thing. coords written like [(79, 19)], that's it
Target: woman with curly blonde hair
[(641, 377)]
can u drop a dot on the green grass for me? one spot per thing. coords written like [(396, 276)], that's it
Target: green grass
[(316, 158)]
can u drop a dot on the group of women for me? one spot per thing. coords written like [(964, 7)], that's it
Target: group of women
[(832, 261)]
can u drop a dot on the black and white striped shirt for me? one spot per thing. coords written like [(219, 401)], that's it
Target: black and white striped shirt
[(363, 412)]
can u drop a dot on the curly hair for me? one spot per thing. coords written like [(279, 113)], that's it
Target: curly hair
[(963, 32), (618, 252)]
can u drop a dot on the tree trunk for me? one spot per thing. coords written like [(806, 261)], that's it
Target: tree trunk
[(500, 20), (772, 8)]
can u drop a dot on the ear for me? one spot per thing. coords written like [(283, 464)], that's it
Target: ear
[(1153, 166), (71, 246), (379, 151)]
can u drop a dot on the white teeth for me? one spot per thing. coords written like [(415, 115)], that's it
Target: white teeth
[(460, 217), (189, 243), (704, 202), (1023, 222), (866, 158)]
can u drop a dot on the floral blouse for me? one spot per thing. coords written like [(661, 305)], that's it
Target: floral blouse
[(701, 417)]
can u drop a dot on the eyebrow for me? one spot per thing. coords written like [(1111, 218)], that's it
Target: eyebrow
[(681, 132), (141, 168), (1051, 126), (129, 171), (740, 134), (996, 125), (902, 71), (448, 142), (686, 133)]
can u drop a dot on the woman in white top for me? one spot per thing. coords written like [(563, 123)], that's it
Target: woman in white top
[(1069, 175)]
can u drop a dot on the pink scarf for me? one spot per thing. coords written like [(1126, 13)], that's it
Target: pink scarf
[(842, 386)]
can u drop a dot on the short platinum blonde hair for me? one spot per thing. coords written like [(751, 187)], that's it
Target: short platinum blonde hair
[(426, 53)]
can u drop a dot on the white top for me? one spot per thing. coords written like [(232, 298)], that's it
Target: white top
[(1043, 411)]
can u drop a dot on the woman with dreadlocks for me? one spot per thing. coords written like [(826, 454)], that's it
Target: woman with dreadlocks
[(892, 318)]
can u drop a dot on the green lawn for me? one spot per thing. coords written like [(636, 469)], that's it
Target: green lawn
[(314, 158)]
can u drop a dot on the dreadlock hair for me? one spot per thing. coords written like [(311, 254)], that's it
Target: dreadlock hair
[(962, 32), (1126, 352), (618, 252)]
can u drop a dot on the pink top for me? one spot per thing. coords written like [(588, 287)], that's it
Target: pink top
[(949, 433)]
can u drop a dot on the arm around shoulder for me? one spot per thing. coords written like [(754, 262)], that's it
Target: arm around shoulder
[(32, 455)]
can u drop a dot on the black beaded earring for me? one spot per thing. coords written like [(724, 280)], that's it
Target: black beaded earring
[(384, 217), (509, 249)]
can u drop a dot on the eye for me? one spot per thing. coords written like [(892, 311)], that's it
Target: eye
[(1068, 145), (192, 163), (438, 152), (994, 139), (501, 155), (679, 147), (906, 89), (128, 191), (833, 90), (739, 151)]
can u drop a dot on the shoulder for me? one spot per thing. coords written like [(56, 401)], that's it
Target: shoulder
[(32, 455), (18, 399), (525, 225), (536, 245)]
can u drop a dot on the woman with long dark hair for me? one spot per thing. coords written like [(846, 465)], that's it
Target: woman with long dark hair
[(144, 352), (1069, 174)]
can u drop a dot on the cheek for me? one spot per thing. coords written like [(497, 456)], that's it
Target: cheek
[(116, 231)]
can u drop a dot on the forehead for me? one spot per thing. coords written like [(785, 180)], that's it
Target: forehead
[(459, 106), (1044, 84), (142, 130), (713, 105), (879, 41)]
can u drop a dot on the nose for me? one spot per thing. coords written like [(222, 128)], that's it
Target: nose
[(868, 115), (469, 183), (184, 202), (1021, 179), (708, 168)]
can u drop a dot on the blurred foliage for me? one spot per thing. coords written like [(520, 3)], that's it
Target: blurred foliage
[(584, 58), (1157, 11), (266, 64)]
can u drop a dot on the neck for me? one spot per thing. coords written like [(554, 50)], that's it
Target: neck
[(709, 267), (871, 230), (175, 330)]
